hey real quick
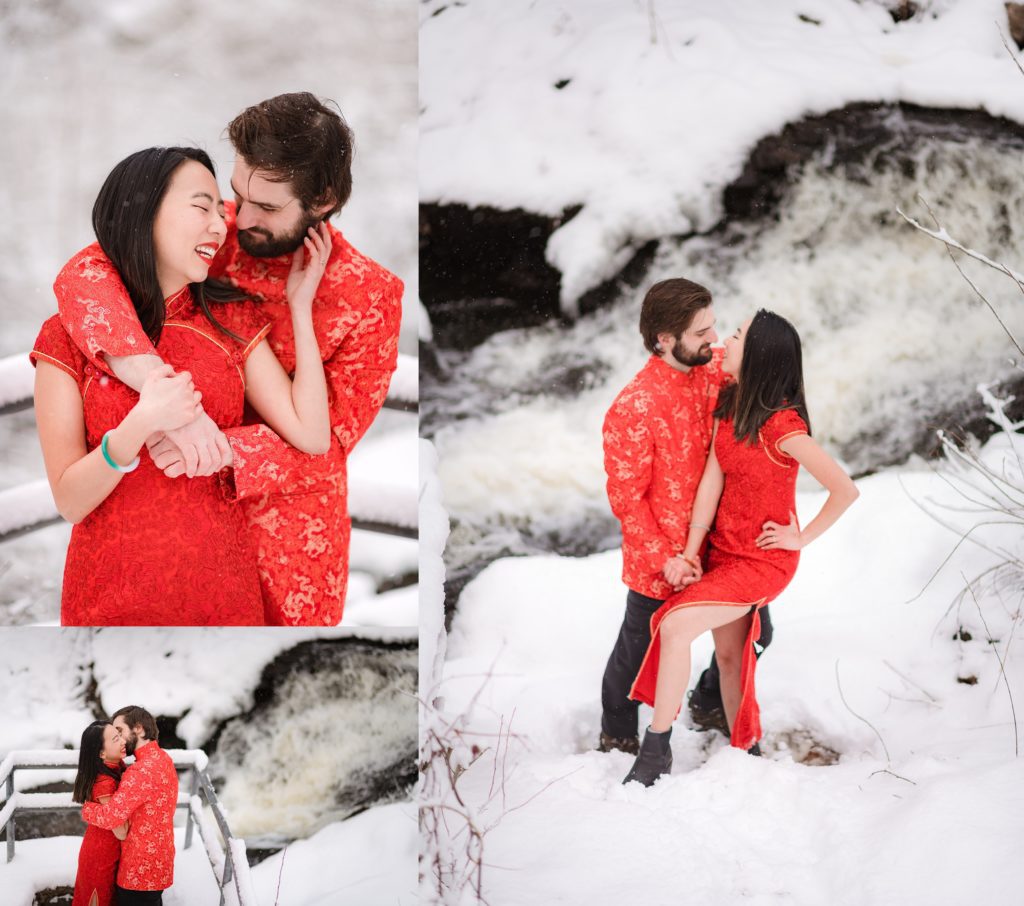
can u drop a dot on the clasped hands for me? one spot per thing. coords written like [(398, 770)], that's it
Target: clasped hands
[(679, 572), (185, 440), (194, 450)]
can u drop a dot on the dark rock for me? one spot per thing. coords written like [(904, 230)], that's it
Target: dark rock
[(903, 10), (54, 896), (1015, 20), (483, 270)]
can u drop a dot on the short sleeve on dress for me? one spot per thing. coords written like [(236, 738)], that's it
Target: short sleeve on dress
[(780, 426), (53, 345), (103, 785), (245, 320)]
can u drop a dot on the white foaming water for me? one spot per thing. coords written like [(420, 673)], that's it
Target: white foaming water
[(294, 769), (893, 337)]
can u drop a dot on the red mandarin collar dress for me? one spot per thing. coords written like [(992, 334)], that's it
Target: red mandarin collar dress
[(760, 485), (147, 796), (657, 434), (157, 550), (98, 857), (295, 504)]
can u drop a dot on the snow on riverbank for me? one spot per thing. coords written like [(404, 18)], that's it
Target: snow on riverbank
[(925, 804), (368, 859), (643, 121)]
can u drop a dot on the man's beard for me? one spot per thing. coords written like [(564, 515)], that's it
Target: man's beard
[(261, 243), (130, 742), (701, 357)]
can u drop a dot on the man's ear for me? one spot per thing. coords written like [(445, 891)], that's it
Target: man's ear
[(320, 211)]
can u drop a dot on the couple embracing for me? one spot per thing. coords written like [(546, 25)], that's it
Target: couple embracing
[(702, 450), (127, 854), (211, 368)]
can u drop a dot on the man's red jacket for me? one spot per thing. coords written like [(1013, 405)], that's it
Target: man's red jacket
[(657, 435)]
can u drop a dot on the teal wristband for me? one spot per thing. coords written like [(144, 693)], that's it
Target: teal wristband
[(131, 467)]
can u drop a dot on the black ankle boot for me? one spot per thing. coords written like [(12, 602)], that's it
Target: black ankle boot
[(655, 758)]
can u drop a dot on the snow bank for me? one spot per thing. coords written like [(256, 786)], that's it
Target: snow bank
[(925, 804), (643, 113), (370, 858)]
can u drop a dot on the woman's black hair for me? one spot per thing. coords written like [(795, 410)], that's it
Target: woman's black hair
[(90, 761), (771, 377), (122, 219)]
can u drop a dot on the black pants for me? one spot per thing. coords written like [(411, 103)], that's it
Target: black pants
[(707, 694), (123, 897), (618, 712)]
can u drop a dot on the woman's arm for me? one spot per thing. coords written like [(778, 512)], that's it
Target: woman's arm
[(81, 480), (120, 832), (705, 505), (296, 408), (841, 493)]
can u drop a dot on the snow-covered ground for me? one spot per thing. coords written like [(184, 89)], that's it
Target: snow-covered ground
[(176, 73), (925, 804), (368, 859)]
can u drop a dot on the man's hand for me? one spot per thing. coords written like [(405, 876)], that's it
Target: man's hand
[(679, 572), (199, 448)]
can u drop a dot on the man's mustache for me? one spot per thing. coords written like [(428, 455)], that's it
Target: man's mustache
[(256, 231)]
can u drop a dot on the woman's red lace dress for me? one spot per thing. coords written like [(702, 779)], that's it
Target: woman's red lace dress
[(760, 485), (97, 859), (159, 550)]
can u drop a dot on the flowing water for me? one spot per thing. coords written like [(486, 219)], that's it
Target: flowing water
[(895, 341)]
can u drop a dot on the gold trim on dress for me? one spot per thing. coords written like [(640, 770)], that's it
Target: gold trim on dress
[(64, 366)]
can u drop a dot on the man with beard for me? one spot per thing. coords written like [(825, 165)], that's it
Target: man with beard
[(146, 797), (657, 435), (293, 170)]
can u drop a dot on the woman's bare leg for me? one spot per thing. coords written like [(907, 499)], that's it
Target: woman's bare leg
[(677, 632), (730, 640)]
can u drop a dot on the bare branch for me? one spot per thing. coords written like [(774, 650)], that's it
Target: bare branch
[(942, 236), (839, 686), (1002, 667)]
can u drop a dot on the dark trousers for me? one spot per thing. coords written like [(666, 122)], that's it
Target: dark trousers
[(618, 712), (124, 897), (707, 694)]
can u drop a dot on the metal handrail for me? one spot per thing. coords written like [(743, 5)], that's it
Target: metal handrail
[(228, 863), (16, 376)]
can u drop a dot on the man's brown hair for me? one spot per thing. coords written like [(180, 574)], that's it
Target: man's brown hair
[(298, 139), (669, 307), (135, 716)]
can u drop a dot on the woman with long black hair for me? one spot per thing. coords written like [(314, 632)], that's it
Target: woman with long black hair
[(148, 549), (100, 765), (745, 508)]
